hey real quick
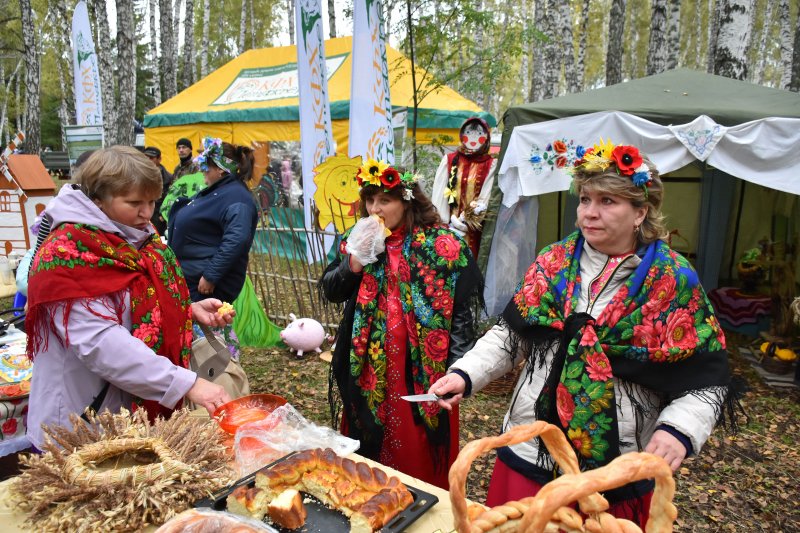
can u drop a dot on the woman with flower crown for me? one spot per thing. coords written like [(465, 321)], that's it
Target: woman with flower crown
[(622, 348), (410, 286)]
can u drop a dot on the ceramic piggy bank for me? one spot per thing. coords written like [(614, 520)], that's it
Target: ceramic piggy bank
[(303, 335)]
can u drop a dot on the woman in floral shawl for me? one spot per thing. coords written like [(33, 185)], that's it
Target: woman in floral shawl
[(408, 317), (109, 317), (623, 350)]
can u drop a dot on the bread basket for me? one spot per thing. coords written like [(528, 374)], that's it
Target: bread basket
[(548, 510)]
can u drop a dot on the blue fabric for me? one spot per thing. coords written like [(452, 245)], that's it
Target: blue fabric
[(211, 235)]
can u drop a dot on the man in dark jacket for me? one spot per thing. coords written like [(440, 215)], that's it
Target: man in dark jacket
[(187, 164), (154, 154)]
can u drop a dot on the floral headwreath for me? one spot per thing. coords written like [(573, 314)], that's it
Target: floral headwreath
[(627, 160), (212, 151), (380, 174)]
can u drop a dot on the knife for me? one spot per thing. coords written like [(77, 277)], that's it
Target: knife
[(427, 397)]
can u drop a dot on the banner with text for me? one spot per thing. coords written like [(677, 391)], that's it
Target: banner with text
[(371, 132), (88, 105), (316, 134)]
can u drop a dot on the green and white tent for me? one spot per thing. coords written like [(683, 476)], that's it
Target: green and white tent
[(729, 149)]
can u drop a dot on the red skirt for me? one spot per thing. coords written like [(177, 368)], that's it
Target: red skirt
[(509, 485)]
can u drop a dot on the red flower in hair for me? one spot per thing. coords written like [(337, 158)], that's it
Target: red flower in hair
[(390, 178), (627, 159)]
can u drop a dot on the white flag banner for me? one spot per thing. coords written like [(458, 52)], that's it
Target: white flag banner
[(316, 134), (371, 133), (88, 105)]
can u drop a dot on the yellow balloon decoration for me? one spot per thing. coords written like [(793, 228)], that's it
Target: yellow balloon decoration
[(337, 191)]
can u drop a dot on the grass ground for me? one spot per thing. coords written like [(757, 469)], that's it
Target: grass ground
[(743, 482)]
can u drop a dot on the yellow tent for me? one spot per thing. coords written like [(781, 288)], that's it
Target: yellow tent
[(253, 99)]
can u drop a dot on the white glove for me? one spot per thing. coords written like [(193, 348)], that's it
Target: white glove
[(366, 240), (458, 226)]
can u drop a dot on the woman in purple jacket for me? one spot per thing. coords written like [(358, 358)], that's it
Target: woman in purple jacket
[(110, 318)]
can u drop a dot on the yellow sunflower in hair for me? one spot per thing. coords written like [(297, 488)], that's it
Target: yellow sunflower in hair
[(370, 173), (599, 157)]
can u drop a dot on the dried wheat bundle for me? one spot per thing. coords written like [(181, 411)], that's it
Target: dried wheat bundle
[(71, 487)]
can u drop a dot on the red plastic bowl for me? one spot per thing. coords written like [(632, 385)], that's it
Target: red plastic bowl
[(234, 414)]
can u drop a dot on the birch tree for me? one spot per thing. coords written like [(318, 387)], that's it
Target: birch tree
[(733, 38), (616, 30), (580, 63), (126, 69), (794, 80), (657, 47), (674, 33), (786, 43), (252, 23), (714, 13), (188, 44), (537, 80), (3, 114), (761, 45), (568, 47), (167, 61), (290, 11), (154, 52), (31, 51), (332, 19), (204, 42), (242, 25), (552, 59)]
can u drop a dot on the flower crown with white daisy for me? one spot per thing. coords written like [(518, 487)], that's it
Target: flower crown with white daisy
[(380, 174), (626, 159)]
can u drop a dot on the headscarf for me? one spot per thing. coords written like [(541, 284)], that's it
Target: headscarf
[(658, 331)]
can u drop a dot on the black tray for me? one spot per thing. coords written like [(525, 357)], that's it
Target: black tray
[(322, 519)]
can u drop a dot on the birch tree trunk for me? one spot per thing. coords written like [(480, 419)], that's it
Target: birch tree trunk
[(126, 69), (657, 47), (552, 59), (674, 33), (242, 25), (697, 32), (714, 11), (537, 81), (176, 19), (786, 43), (580, 66), (761, 53), (188, 44), (20, 117), (733, 38), (794, 80), (3, 115), (616, 30), (169, 86), (204, 42), (154, 53), (332, 19), (568, 47), (630, 45), (252, 23), (290, 11), (32, 107)]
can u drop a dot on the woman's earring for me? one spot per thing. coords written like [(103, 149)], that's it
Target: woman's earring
[(635, 229)]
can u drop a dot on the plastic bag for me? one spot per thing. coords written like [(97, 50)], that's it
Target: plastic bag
[(284, 431), (210, 521), (366, 240)]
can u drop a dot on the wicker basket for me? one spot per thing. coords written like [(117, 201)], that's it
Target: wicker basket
[(506, 383)]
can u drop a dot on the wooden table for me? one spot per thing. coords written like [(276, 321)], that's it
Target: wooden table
[(438, 519)]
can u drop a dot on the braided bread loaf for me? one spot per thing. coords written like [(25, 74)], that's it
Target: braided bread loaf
[(368, 496), (548, 511)]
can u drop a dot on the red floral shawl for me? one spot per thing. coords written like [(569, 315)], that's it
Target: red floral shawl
[(78, 262)]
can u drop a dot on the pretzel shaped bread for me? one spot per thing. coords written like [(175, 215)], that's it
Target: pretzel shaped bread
[(548, 511)]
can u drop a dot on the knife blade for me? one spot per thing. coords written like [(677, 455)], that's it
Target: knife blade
[(427, 397)]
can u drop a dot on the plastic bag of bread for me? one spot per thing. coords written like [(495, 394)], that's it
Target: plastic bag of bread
[(284, 431), (210, 521)]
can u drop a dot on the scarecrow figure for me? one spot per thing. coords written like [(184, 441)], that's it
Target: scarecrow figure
[(464, 180)]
